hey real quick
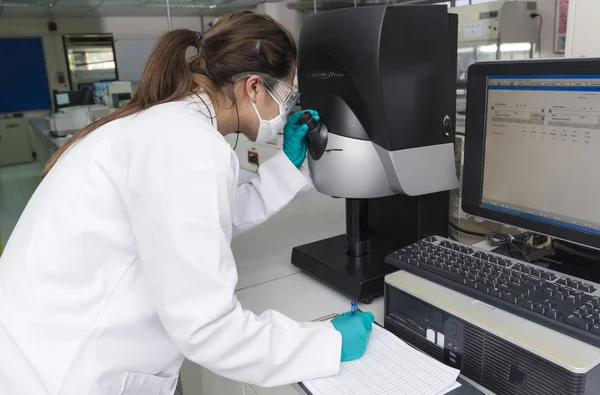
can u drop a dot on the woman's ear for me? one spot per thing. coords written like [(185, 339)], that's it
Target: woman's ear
[(252, 87)]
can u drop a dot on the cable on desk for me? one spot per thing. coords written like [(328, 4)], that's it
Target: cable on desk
[(499, 239), (465, 231)]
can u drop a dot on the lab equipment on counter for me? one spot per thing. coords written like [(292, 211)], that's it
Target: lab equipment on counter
[(72, 119), (82, 97), (503, 352), (119, 94), (383, 83)]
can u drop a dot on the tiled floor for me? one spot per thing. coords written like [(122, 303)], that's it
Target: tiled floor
[(17, 184)]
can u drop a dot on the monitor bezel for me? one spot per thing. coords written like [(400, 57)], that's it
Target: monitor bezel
[(475, 130)]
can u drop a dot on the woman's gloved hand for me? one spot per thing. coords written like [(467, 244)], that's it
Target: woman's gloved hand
[(355, 330), (295, 141)]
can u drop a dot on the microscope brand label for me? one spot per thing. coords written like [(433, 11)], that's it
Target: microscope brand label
[(324, 75)]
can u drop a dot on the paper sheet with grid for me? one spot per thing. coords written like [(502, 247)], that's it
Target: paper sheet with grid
[(389, 367)]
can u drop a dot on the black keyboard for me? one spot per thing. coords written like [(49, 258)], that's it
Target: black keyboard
[(563, 303)]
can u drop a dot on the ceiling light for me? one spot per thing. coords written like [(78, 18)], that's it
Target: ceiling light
[(488, 48), (36, 5), (515, 47), (177, 5)]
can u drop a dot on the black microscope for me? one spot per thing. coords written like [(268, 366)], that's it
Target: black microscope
[(383, 79)]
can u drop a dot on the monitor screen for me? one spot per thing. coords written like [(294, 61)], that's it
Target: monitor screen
[(62, 98), (542, 149)]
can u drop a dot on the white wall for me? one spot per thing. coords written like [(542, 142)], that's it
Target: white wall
[(583, 29), (279, 11), (120, 27), (547, 9)]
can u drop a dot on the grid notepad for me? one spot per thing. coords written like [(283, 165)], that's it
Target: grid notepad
[(389, 367)]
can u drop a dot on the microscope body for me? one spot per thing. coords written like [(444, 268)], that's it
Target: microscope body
[(383, 79)]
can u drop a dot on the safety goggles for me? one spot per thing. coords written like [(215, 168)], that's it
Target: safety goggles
[(284, 95)]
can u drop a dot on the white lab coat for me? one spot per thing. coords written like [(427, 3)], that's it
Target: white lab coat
[(121, 265)]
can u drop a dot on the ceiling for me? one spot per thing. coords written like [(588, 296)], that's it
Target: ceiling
[(132, 8), (129, 8)]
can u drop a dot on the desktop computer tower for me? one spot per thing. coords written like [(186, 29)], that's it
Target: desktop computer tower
[(502, 352)]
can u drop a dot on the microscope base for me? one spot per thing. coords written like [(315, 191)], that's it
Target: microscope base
[(358, 278)]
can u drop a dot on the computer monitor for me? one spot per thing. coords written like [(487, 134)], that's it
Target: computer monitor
[(532, 146), (73, 98)]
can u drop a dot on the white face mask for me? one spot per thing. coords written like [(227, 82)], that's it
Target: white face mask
[(268, 130)]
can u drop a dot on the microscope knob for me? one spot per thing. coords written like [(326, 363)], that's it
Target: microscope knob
[(306, 118), (317, 135)]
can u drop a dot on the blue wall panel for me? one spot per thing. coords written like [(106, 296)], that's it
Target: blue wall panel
[(23, 78)]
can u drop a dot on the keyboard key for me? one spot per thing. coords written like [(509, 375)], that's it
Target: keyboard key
[(593, 319), (553, 313), (511, 297), (587, 308), (540, 309), (514, 290), (588, 288), (549, 303), (595, 329), (563, 281), (529, 305), (496, 292), (504, 262), (547, 292), (572, 299), (548, 276), (472, 284), (574, 284), (537, 273), (559, 296), (595, 300), (579, 322), (444, 273)]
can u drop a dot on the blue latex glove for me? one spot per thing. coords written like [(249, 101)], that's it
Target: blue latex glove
[(295, 141), (355, 330)]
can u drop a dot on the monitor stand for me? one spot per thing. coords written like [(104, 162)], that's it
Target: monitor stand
[(562, 256)]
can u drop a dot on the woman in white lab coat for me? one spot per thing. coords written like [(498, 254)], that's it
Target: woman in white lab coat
[(121, 263)]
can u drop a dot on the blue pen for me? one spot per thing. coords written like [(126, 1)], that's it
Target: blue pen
[(353, 307)]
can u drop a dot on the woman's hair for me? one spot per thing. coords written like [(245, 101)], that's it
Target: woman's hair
[(236, 43)]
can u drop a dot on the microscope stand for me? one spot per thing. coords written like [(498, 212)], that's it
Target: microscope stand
[(360, 278)]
